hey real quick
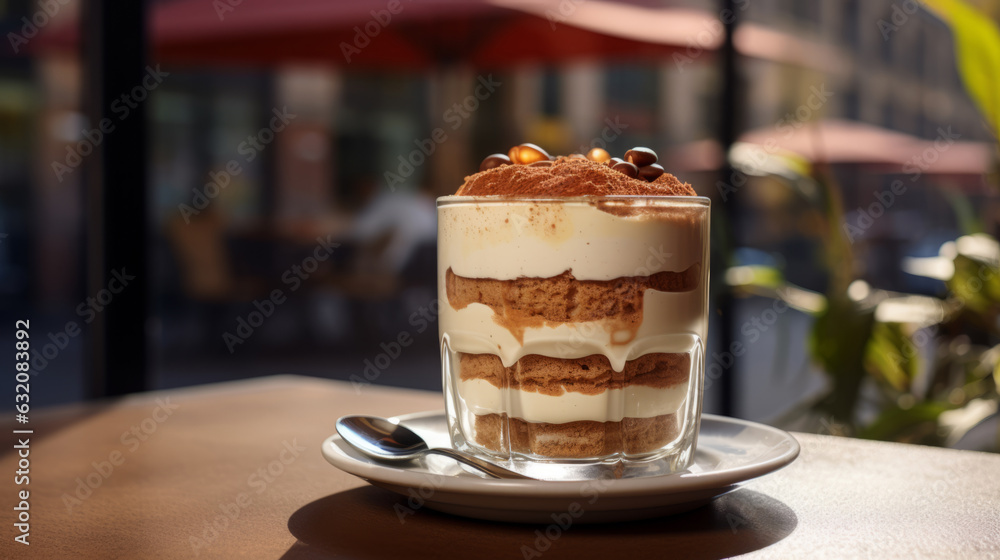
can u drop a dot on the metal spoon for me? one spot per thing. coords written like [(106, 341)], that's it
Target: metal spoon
[(381, 439)]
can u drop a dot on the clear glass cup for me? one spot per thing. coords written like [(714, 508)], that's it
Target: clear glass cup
[(573, 330)]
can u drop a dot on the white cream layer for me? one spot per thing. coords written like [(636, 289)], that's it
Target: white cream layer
[(481, 397), (672, 323), (510, 240)]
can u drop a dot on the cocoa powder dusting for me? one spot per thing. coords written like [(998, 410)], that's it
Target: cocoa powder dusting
[(565, 178)]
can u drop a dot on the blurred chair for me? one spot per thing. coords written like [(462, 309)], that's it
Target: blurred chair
[(204, 261), (210, 293)]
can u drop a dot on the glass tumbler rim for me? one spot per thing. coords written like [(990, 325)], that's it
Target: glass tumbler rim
[(684, 201)]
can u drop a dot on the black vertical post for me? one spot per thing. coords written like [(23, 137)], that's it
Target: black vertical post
[(114, 51), (268, 95), (728, 132)]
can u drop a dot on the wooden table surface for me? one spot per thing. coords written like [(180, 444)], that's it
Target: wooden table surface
[(234, 471)]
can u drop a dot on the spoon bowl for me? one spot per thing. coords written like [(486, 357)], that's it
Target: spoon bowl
[(382, 439)]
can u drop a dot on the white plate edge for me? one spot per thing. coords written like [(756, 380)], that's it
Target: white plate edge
[(623, 487)]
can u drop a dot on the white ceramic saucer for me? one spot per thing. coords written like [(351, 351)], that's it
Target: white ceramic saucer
[(730, 452)]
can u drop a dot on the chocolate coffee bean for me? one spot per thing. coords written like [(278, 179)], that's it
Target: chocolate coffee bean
[(527, 153), (641, 157), (650, 172), (577, 156), (613, 161), (494, 160), (626, 168), (600, 155), (541, 163)]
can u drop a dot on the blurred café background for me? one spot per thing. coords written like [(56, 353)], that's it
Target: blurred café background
[(195, 191)]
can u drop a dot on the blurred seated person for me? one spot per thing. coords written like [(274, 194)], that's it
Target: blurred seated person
[(391, 228)]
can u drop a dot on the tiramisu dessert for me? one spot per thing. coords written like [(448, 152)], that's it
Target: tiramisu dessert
[(574, 307)]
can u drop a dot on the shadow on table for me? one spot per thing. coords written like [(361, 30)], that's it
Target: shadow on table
[(362, 523)]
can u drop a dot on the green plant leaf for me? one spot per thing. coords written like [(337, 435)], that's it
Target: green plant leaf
[(914, 424), (965, 213), (977, 51), (891, 356), (996, 375), (969, 286), (755, 276), (838, 341)]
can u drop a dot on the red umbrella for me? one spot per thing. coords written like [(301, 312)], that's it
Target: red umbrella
[(838, 141), (484, 33), (405, 34)]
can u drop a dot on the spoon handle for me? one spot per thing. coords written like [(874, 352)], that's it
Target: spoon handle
[(495, 471)]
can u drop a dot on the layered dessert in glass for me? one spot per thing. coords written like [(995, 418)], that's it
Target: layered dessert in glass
[(574, 294)]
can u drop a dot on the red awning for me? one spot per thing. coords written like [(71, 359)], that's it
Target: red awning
[(405, 34), (402, 34)]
